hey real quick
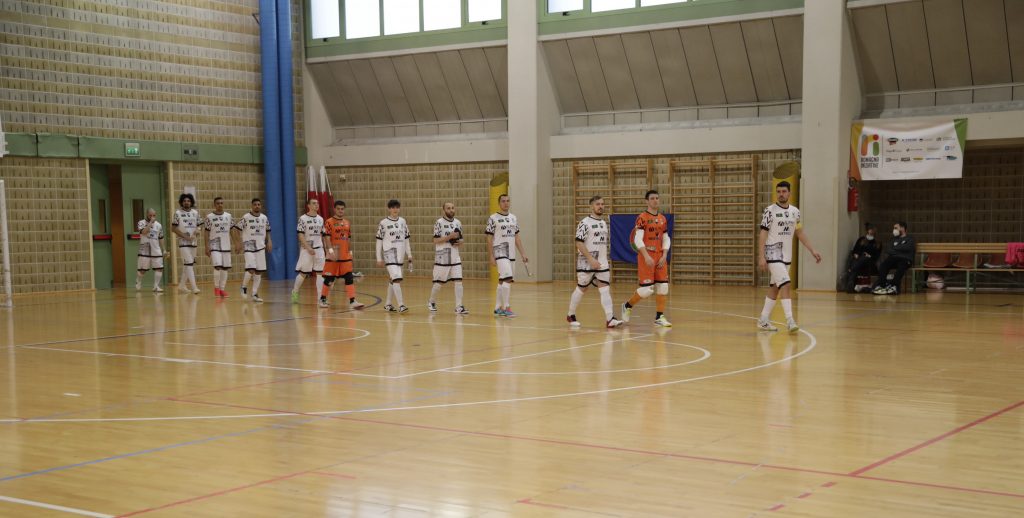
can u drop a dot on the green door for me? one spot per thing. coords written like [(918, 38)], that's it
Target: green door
[(142, 188), (102, 234)]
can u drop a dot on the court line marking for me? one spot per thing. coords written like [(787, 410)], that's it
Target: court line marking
[(53, 507), (315, 342), (809, 348), (706, 355)]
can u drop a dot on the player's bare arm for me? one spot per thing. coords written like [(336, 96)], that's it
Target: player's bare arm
[(522, 251), (803, 239), (581, 247), (762, 261)]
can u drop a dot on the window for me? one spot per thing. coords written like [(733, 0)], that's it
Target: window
[(645, 3), (597, 6), (561, 6), (483, 10), (326, 19), (362, 18), (441, 14), (401, 16)]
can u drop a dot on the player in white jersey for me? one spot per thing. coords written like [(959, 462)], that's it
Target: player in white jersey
[(779, 223), (447, 260), (392, 251), (502, 242), (312, 256), (254, 227), (592, 266), (151, 250), (185, 225), (219, 245)]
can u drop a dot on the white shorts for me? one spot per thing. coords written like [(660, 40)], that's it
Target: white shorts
[(256, 261), (779, 273), (506, 269), (584, 279), (394, 272), (188, 255), (145, 263), (447, 273), (309, 263), (221, 259)]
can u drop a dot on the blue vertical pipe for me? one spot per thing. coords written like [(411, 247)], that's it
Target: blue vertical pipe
[(273, 200), (287, 119)]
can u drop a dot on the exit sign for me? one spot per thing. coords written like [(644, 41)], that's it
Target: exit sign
[(132, 149)]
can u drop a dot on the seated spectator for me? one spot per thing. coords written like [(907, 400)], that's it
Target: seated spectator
[(900, 259), (865, 253)]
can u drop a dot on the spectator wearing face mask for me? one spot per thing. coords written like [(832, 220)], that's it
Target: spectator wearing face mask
[(865, 253), (900, 259)]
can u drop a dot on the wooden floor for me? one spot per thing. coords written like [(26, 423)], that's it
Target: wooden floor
[(120, 403)]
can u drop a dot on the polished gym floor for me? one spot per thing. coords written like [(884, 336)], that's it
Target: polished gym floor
[(119, 403)]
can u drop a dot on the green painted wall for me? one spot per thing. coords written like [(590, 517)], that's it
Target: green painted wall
[(145, 182)]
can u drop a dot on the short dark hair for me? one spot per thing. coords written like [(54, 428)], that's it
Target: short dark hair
[(394, 203), (254, 200), (186, 196), (217, 198), (595, 198), (339, 203), (784, 184), (500, 196), (648, 194), (903, 224), (869, 225)]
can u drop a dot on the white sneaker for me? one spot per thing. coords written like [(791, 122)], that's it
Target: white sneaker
[(614, 322), (389, 308), (573, 323), (184, 289), (461, 310), (765, 325), (245, 293), (625, 312), (257, 299), (402, 308), (355, 304), (195, 291), (323, 303), (791, 324), (432, 307), (662, 321), (158, 289), (891, 290), (138, 285)]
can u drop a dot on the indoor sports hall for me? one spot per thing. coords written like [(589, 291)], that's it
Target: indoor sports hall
[(475, 258)]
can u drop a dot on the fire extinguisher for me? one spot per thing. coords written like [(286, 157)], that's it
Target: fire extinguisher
[(852, 197)]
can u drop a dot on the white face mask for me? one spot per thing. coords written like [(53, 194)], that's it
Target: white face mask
[(869, 237), (895, 232)]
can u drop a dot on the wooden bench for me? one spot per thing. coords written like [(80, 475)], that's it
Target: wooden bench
[(970, 268)]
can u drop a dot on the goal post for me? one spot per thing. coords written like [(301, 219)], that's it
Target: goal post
[(5, 251)]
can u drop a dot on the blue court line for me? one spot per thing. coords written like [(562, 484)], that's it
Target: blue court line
[(214, 438)]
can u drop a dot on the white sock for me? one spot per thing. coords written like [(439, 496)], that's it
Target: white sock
[(298, 282), (498, 295), (223, 279), (787, 308), (769, 305), (458, 294), (387, 299), (398, 293), (507, 298), (183, 280), (433, 292), (138, 277), (191, 272), (574, 300), (157, 275), (245, 280), (319, 286), (256, 283), (216, 278), (606, 301)]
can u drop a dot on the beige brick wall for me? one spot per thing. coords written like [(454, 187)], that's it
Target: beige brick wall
[(48, 223), (422, 189)]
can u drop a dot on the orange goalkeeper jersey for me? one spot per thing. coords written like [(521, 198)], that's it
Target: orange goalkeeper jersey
[(340, 233)]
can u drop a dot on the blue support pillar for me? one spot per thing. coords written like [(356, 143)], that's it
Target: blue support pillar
[(273, 202), (287, 128)]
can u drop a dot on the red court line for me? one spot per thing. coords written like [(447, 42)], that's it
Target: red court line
[(529, 501), (936, 439), (334, 475), (805, 495), (777, 507), (616, 448)]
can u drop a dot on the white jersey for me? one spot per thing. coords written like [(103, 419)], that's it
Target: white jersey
[(593, 233), (254, 231), (504, 228), (313, 229), (393, 235), (149, 242), (781, 224), (219, 226), (186, 221), (445, 254)]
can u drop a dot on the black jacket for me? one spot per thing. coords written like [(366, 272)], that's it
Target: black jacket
[(903, 248), (866, 247)]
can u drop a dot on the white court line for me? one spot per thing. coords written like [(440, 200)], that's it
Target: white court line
[(811, 347), (452, 368), (315, 342), (706, 355), (186, 360), (52, 507)]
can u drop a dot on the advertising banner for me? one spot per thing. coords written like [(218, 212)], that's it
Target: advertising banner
[(895, 150)]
